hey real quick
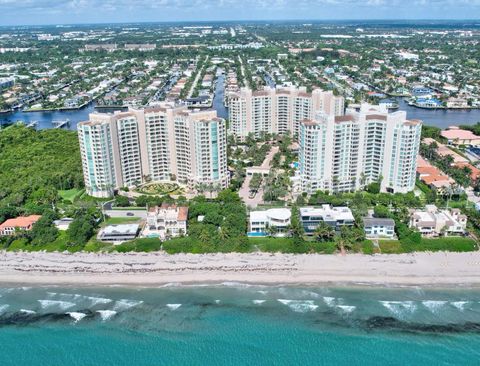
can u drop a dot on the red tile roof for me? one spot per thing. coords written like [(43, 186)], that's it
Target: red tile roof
[(22, 221)]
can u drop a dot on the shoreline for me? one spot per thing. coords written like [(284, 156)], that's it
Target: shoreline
[(159, 269)]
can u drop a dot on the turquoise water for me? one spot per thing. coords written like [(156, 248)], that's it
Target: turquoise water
[(234, 324)]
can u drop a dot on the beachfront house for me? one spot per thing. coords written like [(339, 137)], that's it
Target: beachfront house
[(24, 223), (336, 217), (118, 233), (166, 221), (274, 221), (378, 227), (433, 222)]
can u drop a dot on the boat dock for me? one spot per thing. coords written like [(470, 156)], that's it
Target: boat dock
[(61, 124)]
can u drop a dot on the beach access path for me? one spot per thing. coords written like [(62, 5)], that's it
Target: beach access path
[(159, 268)]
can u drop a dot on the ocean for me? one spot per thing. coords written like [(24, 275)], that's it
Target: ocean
[(236, 324)]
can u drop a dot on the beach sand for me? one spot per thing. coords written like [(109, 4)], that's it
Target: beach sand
[(151, 269)]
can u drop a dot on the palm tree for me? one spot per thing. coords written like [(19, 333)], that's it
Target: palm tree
[(271, 230), (324, 232), (201, 188), (223, 233)]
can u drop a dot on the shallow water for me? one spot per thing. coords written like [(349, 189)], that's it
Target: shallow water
[(238, 324)]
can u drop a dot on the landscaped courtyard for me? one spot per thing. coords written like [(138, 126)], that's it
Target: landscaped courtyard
[(160, 189)]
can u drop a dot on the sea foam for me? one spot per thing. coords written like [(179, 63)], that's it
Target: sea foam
[(346, 308), (460, 305), (258, 302), (433, 305), (173, 307), (25, 311), (125, 304), (64, 305), (77, 316), (106, 314), (399, 308), (330, 301), (3, 308), (299, 306), (99, 300)]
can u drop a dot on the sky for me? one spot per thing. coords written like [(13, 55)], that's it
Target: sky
[(22, 12)]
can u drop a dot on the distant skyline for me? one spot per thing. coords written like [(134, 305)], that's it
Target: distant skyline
[(39, 12)]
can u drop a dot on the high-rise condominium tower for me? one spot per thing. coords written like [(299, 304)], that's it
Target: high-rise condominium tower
[(345, 153), (278, 110), (164, 143)]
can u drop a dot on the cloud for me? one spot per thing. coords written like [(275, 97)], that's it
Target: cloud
[(57, 11)]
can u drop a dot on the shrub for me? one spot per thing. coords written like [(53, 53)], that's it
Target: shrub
[(390, 246), (367, 247), (140, 245)]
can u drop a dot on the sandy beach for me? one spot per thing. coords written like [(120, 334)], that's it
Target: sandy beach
[(152, 269)]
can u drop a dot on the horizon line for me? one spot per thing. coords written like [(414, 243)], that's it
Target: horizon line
[(249, 20)]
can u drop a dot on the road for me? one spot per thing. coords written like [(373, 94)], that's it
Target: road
[(195, 82)]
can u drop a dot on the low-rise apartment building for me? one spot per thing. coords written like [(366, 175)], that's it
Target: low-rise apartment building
[(435, 222), (166, 221), (336, 217)]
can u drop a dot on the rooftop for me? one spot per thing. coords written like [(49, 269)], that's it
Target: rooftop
[(122, 229), (328, 212), (374, 221), (282, 214), (23, 221), (459, 134)]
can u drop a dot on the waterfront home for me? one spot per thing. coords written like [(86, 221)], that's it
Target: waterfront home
[(388, 103), (274, 221), (24, 223), (420, 90), (428, 103), (434, 222), (118, 233), (378, 227), (457, 136), (432, 176), (457, 103), (336, 217), (166, 221)]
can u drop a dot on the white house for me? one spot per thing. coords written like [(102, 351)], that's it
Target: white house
[(335, 217), (378, 227), (434, 222), (277, 219)]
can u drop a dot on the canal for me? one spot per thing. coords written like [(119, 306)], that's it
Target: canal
[(440, 117)]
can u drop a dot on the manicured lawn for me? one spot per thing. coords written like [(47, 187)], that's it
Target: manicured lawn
[(131, 208), (71, 195), (122, 220)]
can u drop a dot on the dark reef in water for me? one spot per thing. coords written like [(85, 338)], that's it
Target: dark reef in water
[(393, 324), (23, 318)]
